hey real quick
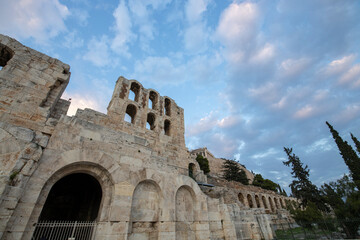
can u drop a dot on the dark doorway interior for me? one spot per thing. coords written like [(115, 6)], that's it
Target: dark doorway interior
[(75, 197)]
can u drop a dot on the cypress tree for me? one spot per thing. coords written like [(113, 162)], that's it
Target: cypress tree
[(357, 143), (349, 155), (301, 186)]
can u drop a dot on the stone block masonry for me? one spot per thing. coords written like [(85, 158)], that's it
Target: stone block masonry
[(127, 171)]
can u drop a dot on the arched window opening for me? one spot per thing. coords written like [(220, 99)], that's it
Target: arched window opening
[(241, 198), (257, 201), (75, 197), (134, 92), (5, 55), (167, 127), (282, 203), (153, 100), (150, 122), (276, 203), (167, 107), (130, 114), (264, 202), (271, 205), (191, 170), (251, 205)]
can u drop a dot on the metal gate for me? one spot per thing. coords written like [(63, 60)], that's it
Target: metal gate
[(64, 230)]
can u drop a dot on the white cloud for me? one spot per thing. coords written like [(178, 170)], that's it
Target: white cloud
[(98, 51), (322, 144), (352, 75), (196, 38), (81, 15), (264, 54), (350, 113), (292, 67), (122, 29), (270, 151), (196, 34), (194, 10), (72, 40), (160, 70), (339, 65), (266, 92), (39, 19), (141, 12), (238, 25), (80, 101), (304, 112)]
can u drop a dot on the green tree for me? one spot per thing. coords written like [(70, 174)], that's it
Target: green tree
[(203, 163), (357, 143), (233, 172), (259, 181), (344, 199), (349, 155), (301, 187)]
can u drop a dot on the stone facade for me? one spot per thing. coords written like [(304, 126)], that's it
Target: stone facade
[(127, 170)]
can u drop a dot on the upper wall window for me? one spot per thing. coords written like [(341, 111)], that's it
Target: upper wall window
[(167, 127), (130, 114), (153, 100), (150, 122), (5, 55), (134, 92), (167, 107)]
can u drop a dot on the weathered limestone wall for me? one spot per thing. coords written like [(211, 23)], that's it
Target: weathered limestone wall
[(143, 173)]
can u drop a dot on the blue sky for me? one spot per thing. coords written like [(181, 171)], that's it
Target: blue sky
[(252, 76)]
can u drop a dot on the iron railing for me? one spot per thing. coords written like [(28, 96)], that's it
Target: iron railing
[(64, 230)]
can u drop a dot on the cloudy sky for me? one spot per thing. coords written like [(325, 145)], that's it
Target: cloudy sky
[(252, 76)]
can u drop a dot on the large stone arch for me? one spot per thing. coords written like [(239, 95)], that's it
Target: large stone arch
[(185, 213), (145, 210), (95, 170)]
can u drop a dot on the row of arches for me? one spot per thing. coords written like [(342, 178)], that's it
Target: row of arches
[(130, 116), (268, 202), (153, 99), (78, 197)]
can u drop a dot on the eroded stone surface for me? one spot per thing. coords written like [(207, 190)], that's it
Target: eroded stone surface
[(142, 164)]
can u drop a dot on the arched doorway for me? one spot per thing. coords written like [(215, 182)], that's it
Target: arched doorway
[(74, 200)]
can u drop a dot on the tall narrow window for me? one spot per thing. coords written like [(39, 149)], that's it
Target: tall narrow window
[(130, 113), (167, 107), (150, 122), (251, 205), (241, 198), (152, 100), (257, 201), (134, 92), (167, 127)]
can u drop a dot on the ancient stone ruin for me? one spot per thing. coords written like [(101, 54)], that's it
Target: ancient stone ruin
[(120, 175)]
